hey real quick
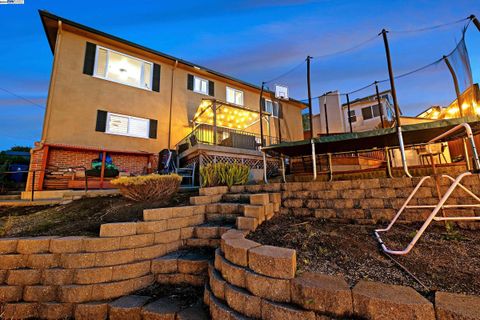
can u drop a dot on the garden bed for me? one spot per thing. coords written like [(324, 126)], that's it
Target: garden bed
[(440, 261), (80, 217)]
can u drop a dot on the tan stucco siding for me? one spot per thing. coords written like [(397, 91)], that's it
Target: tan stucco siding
[(76, 97)]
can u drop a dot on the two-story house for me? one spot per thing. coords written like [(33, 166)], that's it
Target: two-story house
[(112, 100)]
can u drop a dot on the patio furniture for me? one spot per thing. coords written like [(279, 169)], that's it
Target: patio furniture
[(187, 173), (425, 153)]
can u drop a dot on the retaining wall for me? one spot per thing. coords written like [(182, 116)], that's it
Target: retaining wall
[(250, 280)]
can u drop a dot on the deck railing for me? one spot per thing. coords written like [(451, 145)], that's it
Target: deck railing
[(227, 137)]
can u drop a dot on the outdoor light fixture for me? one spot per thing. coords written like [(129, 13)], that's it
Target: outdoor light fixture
[(227, 115)]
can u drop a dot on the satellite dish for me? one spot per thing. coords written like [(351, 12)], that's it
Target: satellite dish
[(281, 92)]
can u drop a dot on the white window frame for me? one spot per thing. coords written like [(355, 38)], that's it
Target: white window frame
[(201, 79), (107, 129), (272, 112), (142, 80), (234, 95)]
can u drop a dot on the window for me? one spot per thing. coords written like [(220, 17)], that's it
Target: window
[(121, 68), (127, 125), (370, 112), (234, 96), (352, 117), (271, 107), (200, 85)]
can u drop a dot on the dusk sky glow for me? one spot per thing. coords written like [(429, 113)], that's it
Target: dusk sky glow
[(253, 40)]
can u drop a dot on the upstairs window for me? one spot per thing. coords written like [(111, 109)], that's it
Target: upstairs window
[(127, 125), (200, 85), (370, 112), (121, 68), (272, 108), (234, 96)]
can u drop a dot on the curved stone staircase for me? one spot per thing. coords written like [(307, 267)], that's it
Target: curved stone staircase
[(202, 244)]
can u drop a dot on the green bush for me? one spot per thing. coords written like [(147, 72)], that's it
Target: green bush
[(152, 187), (224, 174)]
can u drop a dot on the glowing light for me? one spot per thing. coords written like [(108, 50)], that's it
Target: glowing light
[(452, 111), (465, 106)]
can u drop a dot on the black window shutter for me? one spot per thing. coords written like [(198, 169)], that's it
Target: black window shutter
[(263, 104), (89, 61), (190, 82), (153, 129), (101, 121), (156, 77), (211, 88)]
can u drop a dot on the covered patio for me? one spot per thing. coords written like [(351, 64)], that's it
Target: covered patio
[(226, 132)]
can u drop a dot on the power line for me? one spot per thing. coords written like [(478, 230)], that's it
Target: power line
[(438, 26), (23, 98), (286, 73), (349, 49)]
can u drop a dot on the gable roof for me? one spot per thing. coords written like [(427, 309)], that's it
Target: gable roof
[(51, 33)]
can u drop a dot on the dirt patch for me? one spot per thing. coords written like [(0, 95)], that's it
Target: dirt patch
[(440, 261), (80, 217)]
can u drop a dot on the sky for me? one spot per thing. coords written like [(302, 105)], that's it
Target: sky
[(253, 40)]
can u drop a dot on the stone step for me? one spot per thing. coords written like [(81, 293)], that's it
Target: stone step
[(225, 208), (222, 218), (127, 307), (236, 197), (211, 230)]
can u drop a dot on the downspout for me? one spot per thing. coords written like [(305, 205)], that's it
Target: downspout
[(51, 87), (171, 106)]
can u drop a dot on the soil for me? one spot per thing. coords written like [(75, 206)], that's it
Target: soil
[(80, 217), (441, 261)]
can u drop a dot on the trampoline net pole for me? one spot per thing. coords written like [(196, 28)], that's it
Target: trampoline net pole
[(314, 160), (402, 152)]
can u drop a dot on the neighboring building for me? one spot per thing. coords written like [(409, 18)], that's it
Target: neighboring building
[(364, 114), (114, 100)]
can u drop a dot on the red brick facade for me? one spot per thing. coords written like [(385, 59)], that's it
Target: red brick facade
[(58, 157)]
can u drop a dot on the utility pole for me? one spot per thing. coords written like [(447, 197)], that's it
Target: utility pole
[(348, 110)]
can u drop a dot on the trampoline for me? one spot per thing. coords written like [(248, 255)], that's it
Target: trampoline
[(406, 135)]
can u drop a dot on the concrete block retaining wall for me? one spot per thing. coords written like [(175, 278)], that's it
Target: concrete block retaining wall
[(366, 201), (58, 277)]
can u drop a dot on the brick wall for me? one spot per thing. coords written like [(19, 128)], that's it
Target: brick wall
[(35, 164), (63, 158)]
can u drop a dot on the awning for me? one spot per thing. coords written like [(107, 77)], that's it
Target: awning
[(413, 134)]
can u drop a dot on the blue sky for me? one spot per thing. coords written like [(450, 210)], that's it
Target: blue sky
[(254, 40)]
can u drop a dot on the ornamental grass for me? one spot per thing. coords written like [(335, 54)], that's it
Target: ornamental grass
[(152, 187)]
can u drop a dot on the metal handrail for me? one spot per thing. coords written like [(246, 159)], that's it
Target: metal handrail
[(32, 198), (441, 203)]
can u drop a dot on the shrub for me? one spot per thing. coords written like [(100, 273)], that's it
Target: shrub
[(152, 187), (224, 174)]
